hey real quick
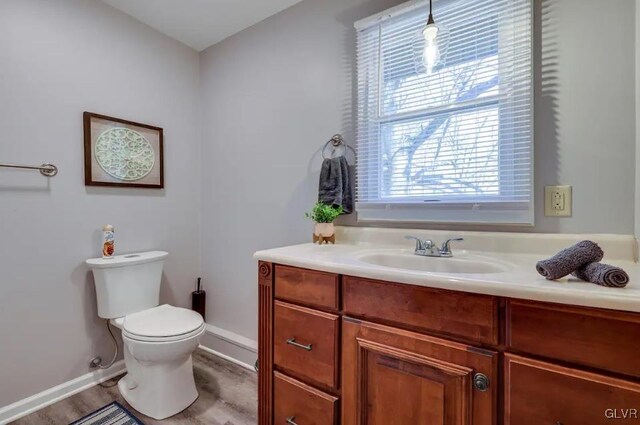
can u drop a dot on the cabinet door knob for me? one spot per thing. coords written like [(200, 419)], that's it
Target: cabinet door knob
[(292, 341), (481, 382), (291, 420)]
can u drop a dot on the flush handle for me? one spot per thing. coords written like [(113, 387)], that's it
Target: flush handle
[(292, 341)]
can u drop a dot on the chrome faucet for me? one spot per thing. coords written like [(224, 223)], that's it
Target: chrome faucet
[(427, 248)]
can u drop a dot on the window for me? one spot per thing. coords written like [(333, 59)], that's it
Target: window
[(455, 145)]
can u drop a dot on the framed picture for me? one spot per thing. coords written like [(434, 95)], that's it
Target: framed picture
[(122, 153)]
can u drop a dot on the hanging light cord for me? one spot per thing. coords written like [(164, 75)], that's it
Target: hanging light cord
[(431, 20)]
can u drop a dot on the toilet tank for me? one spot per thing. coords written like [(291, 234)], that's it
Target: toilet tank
[(127, 284)]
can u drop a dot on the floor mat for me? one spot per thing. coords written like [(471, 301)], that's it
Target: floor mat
[(111, 414)]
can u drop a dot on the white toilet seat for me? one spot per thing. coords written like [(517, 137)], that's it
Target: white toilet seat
[(159, 340), (162, 322)]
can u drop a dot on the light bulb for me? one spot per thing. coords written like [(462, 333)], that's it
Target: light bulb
[(431, 55)]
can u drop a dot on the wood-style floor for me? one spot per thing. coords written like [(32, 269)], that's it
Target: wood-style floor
[(228, 396)]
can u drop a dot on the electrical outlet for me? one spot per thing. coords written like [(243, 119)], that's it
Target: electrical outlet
[(557, 201)]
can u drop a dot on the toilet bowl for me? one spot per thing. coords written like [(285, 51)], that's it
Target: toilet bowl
[(158, 344), (158, 339)]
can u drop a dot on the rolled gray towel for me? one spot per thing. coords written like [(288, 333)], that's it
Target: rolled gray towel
[(569, 260), (603, 274)]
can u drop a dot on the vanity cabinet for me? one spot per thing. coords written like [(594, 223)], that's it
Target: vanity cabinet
[(347, 350)]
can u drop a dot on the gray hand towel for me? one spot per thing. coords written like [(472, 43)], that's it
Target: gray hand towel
[(569, 260), (335, 184), (603, 275)]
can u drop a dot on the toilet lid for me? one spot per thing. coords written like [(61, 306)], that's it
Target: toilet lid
[(162, 321)]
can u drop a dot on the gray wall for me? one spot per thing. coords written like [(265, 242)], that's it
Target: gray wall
[(585, 113), (59, 58), (272, 95)]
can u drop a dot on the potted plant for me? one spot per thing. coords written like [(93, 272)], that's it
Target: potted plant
[(324, 215)]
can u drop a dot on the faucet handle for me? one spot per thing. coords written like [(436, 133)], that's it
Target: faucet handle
[(446, 246), (420, 244)]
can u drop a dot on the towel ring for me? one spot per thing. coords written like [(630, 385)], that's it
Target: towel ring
[(336, 141)]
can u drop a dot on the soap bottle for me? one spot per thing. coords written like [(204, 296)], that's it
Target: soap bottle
[(108, 241)]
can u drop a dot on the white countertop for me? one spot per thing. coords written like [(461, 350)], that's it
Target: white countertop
[(520, 280)]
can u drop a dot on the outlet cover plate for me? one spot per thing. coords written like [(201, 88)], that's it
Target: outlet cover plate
[(557, 201)]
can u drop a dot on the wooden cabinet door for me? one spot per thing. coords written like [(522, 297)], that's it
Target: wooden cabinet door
[(393, 376)]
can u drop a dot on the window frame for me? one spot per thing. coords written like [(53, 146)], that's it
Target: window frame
[(476, 209)]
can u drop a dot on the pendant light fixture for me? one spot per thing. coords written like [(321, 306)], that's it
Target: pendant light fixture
[(431, 54)]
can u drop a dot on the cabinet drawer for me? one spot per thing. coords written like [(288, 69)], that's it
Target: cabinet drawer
[(308, 287), (306, 343), (470, 316), (603, 339), (541, 393), (302, 404)]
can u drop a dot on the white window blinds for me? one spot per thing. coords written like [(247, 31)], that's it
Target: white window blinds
[(455, 145)]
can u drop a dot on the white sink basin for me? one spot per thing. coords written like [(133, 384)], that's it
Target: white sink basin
[(464, 264)]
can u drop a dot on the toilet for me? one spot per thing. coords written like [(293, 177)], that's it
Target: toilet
[(158, 339)]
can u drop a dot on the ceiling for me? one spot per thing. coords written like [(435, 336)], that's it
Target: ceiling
[(200, 23)]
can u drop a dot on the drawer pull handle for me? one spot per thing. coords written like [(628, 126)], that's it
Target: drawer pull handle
[(481, 382), (291, 420), (292, 341)]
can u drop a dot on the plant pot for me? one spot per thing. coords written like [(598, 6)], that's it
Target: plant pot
[(324, 233)]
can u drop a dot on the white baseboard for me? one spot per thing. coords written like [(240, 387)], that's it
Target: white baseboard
[(233, 338), (230, 346), (227, 358), (53, 395)]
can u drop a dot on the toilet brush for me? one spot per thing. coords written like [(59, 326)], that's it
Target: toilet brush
[(198, 299)]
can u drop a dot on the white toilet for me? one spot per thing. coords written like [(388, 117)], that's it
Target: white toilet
[(158, 340)]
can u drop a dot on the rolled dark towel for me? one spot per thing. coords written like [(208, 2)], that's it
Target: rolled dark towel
[(569, 260), (603, 274)]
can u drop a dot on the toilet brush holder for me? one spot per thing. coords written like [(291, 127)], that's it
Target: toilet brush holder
[(198, 302), (199, 299)]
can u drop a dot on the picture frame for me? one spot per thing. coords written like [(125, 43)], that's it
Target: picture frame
[(122, 153)]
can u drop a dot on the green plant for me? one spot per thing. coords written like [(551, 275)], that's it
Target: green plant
[(324, 213)]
